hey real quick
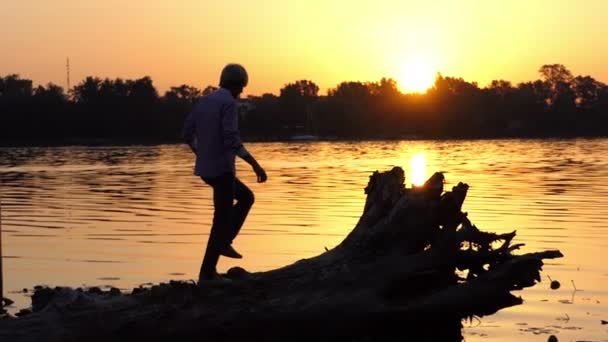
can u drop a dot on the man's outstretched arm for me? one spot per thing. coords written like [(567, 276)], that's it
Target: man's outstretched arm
[(259, 171)]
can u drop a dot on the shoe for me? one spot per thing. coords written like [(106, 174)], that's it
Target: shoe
[(230, 252), (216, 279)]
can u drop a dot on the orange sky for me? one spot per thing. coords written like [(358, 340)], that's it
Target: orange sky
[(280, 41)]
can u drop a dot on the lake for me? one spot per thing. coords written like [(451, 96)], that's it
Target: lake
[(128, 215)]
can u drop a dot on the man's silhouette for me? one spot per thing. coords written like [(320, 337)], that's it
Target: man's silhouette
[(211, 131)]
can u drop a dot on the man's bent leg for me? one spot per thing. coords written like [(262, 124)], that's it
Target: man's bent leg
[(244, 197), (220, 231)]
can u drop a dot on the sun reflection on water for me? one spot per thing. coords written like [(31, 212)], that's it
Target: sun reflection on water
[(418, 169)]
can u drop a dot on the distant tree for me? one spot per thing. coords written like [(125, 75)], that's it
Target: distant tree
[(113, 91), (295, 100), (87, 91), (184, 93), (458, 106), (15, 86), (264, 119), (209, 89), (587, 91), (346, 111), (177, 103), (501, 88), (498, 107), (557, 104), (555, 74), (142, 90), (302, 88), (350, 91), (449, 86), (387, 88), (52, 93), (542, 91), (602, 101), (558, 78)]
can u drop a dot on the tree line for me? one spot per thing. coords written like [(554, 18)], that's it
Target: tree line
[(558, 104)]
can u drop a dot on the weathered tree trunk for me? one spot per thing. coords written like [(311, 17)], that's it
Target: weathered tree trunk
[(393, 277)]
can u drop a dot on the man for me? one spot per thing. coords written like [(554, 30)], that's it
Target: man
[(211, 131)]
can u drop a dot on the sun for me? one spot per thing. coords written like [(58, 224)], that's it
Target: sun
[(416, 76)]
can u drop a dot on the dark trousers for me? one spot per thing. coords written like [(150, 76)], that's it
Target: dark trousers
[(228, 217)]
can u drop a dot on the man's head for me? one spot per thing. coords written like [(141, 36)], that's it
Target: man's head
[(234, 78)]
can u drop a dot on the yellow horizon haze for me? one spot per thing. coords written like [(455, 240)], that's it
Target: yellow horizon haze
[(283, 41)]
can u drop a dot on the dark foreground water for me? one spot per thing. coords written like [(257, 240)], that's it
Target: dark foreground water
[(123, 216)]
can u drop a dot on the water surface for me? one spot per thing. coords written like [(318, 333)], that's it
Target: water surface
[(123, 216)]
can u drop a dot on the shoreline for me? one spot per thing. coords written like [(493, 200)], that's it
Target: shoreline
[(155, 142)]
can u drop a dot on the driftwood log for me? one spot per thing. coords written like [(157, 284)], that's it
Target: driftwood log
[(412, 269)]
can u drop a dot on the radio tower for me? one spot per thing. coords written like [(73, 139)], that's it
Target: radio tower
[(67, 67)]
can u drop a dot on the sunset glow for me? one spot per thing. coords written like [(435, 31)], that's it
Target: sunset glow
[(417, 76), (283, 41), (417, 164)]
